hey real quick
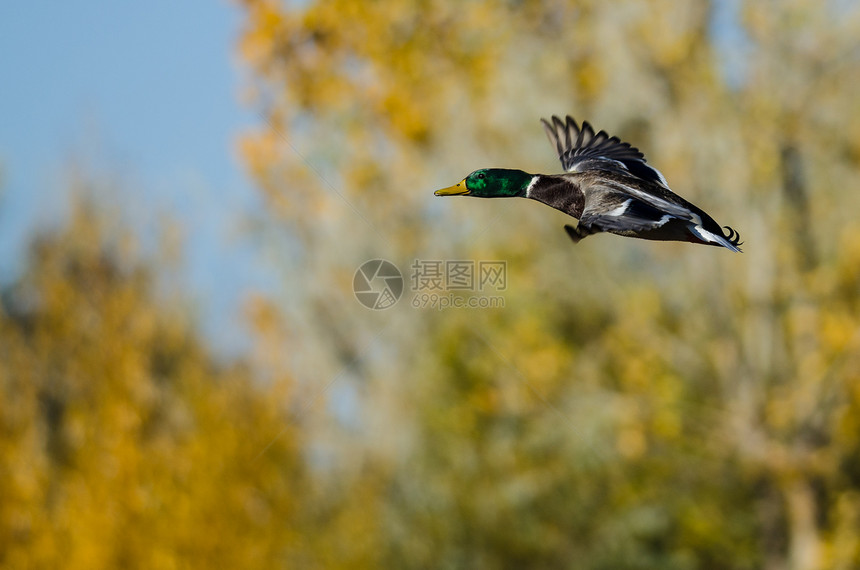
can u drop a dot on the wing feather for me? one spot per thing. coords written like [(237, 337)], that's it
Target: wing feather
[(631, 215), (612, 190), (581, 149)]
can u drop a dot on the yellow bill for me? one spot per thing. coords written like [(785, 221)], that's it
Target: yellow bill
[(456, 190)]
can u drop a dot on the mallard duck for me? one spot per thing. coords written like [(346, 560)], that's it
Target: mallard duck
[(607, 186)]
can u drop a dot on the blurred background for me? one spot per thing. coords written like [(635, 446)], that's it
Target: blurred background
[(187, 190)]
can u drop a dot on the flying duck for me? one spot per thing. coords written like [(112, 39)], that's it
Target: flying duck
[(607, 186)]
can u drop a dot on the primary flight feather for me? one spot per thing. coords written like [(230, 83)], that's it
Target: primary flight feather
[(607, 185)]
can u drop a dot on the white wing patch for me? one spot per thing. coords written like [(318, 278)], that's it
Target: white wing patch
[(619, 211)]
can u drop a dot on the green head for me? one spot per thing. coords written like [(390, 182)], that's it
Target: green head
[(490, 183)]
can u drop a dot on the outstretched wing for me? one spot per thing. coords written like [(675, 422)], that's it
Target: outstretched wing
[(580, 149), (624, 209)]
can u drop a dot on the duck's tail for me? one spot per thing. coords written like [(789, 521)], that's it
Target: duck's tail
[(730, 240)]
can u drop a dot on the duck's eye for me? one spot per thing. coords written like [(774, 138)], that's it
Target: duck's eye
[(481, 176)]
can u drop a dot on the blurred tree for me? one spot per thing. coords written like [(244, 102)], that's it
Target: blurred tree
[(123, 442), (634, 405)]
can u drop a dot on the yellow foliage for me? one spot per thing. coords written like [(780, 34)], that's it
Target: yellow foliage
[(633, 405), (125, 444)]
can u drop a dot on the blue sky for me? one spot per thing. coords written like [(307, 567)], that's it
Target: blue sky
[(149, 94)]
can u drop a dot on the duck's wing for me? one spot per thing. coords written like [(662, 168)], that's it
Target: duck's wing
[(612, 205), (580, 149), (640, 203), (623, 213)]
